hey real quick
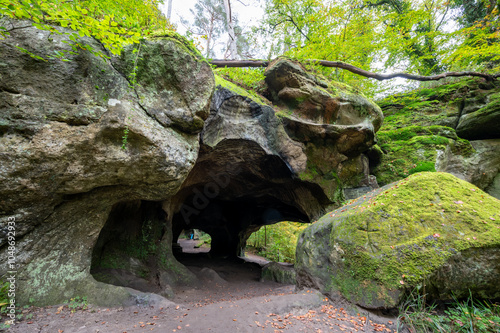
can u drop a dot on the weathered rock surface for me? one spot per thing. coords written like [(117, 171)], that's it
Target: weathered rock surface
[(316, 101), (279, 272), (251, 172), (431, 228), (62, 166), (335, 124), (245, 175), (481, 118), (480, 167)]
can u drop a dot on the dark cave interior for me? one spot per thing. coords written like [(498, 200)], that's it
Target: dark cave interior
[(232, 190)]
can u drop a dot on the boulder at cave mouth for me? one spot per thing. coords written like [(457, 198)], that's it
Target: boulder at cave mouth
[(429, 229)]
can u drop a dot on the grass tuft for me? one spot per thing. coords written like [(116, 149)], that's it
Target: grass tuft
[(467, 316)]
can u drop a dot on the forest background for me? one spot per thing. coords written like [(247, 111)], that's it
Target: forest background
[(422, 37)]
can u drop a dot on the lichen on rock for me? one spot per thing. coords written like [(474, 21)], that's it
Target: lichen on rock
[(76, 139), (419, 231)]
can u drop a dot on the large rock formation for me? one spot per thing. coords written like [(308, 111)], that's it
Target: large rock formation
[(255, 168), (431, 230), (64, 173), (245, 175), (104, 162), (336, 125)]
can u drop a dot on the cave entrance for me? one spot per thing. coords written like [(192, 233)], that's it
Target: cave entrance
[(276, 242), (126, 250), (232, 191), (237, 187)]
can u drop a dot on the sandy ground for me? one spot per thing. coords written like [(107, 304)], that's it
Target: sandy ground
[(230, 298)]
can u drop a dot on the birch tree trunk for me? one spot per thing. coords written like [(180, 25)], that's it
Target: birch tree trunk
[(209, 36), (169, 9), (233, 53)]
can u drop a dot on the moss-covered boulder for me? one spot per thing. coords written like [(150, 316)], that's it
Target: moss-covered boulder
[(429, 230)]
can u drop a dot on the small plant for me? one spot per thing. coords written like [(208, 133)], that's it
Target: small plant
[(474, 316), (4, 296), (133, 75), (4, 326), (125, 137), (471, 316), (77, 303), (418, 317)]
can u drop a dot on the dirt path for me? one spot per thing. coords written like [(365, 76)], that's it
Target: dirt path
[(230, 298)]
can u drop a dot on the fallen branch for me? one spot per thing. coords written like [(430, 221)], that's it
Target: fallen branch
[(356, 70), (239, 63)]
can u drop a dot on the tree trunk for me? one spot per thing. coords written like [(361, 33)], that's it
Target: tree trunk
[(209, 36), (169, 10), (356, 70), (233, 53)]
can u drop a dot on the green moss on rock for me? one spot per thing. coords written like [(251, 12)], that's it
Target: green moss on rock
[(180, 40), (398, 237), (407, 148), (467, 109), (219, 81)]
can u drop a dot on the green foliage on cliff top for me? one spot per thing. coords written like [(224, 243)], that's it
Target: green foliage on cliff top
[(249, 78), (114, 23), (219, 81)]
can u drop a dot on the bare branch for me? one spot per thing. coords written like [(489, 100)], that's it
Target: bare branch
[(357, 70)]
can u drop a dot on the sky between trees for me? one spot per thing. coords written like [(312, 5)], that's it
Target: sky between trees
[(418, 36)]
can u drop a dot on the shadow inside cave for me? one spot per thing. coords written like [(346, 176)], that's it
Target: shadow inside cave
[(232, 190)]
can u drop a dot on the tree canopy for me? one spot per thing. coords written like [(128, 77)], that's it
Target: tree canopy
[(114, 23), (418, 37), (421, 37)]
